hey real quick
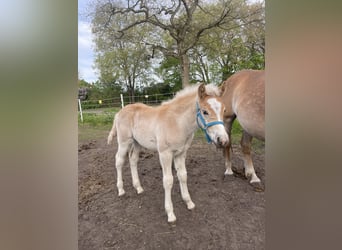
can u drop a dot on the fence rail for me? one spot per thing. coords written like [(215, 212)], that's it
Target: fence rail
[(121, 101)]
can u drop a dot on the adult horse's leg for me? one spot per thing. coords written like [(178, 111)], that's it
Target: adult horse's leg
[(133, 162), (227, 151), (120, 160), (166, 163), (179, 161), (246, 143)]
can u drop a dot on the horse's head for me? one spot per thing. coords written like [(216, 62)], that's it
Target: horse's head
[(210, 111)]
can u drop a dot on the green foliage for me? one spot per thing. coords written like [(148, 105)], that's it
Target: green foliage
[(83, 83), (233, 46), (169, 71)]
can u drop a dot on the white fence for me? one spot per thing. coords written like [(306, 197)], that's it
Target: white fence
[(121, 101)]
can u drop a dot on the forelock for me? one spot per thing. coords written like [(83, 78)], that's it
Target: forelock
[(212, 90)]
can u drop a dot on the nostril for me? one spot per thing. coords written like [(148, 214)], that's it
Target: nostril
[(218, 140)]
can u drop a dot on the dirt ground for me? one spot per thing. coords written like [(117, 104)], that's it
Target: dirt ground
[(229, 212)]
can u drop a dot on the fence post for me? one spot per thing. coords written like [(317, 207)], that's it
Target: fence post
[(79, 104), (122, 102)]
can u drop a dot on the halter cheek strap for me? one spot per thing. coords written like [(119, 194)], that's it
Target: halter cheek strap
[(203, 125)]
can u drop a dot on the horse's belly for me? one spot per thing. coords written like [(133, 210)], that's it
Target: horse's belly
[(255, 128), (146, 141)]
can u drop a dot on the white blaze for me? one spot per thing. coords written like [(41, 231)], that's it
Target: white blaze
[(216, 106)]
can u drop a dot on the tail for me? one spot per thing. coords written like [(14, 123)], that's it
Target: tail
[(112, 133)]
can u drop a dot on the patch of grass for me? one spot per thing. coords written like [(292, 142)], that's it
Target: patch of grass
[(88, 132), (96, 123), (236, 132), (98, 117)]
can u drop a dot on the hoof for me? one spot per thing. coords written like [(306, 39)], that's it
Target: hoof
[(121, 192), (140, 190), (171, 219), (228, 172), (191, 205), (253, 178)]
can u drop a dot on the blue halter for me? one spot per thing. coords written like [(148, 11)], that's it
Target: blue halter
[(205, 125)]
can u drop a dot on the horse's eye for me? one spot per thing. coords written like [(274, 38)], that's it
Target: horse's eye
[(205, 112)]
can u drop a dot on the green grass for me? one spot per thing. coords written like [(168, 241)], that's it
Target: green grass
[(98, 117), (87, 132), (96, 124)]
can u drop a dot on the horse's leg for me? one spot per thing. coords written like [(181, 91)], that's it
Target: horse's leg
[(120, 160), (133, 162), (179, 161), (227, 155), (166, 163), (246, 143), (227, 151)]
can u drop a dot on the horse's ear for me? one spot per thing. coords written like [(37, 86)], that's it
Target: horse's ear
[(201, 91)]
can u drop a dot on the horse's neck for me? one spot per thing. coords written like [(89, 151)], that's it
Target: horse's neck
[(185, 108)]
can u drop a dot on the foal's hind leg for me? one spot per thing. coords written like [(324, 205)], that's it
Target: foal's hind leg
[(182, 177), (133, 162), (120, 159), (246, 142)]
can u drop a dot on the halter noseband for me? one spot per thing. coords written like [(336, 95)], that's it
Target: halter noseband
[(205, 125)]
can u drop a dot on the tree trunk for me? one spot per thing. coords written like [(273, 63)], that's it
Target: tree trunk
[(185, 68), (132, 95), (131, 90)]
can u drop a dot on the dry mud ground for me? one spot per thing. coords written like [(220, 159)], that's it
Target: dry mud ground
[(229, 213)]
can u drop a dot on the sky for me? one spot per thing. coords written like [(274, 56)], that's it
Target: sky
[(85, 45)]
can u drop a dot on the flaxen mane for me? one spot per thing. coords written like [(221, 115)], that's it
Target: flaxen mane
[(211, 89)]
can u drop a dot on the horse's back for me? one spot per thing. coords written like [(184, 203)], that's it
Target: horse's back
[(244, 96)]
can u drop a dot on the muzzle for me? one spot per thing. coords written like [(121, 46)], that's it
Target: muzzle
[(203, 125)]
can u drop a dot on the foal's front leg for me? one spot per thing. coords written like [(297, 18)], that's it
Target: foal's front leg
[(182, 177), (166, 163)]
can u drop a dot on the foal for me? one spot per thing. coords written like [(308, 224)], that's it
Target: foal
[(168, 129)]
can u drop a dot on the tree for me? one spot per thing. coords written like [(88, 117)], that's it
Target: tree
[(233, 46), (123, 61), (169, 71), (178, 24)]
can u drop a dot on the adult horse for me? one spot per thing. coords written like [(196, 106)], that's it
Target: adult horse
[(168, 129), (243, 95)]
